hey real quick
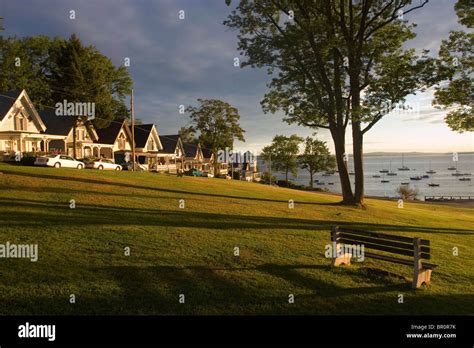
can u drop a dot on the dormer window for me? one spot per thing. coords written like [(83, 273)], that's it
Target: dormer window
[(20, 122), (151, 145), (121, 141)]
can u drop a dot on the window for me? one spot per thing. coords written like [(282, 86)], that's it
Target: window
[(20, 122), (151, 145), (121, 141)]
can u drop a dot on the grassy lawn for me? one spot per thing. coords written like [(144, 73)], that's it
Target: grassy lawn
[(191, 251)]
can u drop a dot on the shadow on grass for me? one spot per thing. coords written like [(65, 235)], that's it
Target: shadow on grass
[(149, 188), (59, 213), (208, 291)]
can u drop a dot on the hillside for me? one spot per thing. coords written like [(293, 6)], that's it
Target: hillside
[(191, 250)]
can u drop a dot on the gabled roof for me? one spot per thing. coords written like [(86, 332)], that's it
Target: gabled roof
[(190, 150), (169, 142), (142, 133), (56, 125), (7, 99), (109, 134)]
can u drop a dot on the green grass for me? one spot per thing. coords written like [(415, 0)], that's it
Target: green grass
[(190, 251)]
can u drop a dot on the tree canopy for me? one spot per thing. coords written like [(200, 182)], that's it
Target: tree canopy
[(457, 66), (52, 70), (316, 157), (282, 154), (217, 123), (333, 64)]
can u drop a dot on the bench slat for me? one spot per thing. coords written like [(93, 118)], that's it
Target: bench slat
[(378, 241), (398, 260), (424, 242), (383, 248)]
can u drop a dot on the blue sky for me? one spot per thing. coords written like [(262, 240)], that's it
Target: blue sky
[(175, 61)]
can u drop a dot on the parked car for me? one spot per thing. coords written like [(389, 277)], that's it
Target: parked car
[(138, 167), (103, 164), (58, 161), (207, 174), (193, 172)]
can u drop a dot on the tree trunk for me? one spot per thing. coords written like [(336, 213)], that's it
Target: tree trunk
[(338, 137), (311, 178), (286, 176), (215, 164), (358, 143)]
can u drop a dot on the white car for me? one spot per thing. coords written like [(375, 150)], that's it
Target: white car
[(103, 164), (58, 161)]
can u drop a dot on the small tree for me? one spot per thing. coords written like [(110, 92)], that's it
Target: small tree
[(283, 154), (407, 193), (218, 125), (316, 157)]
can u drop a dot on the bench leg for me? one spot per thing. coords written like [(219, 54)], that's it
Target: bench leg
[(342, 260), (420, 277)]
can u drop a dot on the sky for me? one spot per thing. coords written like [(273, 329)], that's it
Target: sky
[(174, 61)]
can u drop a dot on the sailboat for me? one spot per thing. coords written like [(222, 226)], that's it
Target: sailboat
[(384, 180), (391, 173), (431, 171), (404, 167)]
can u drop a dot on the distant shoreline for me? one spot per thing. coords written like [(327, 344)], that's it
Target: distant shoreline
[(415, 153)]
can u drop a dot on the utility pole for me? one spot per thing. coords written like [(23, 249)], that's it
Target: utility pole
[(133, 132), (270, 157)]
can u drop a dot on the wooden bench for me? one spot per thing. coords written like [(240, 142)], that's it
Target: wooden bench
[(415, 249)]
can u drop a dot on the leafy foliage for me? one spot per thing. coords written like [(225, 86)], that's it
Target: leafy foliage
[(333, 63), (52, 70), (217, 123), (456, 65), (282, 154), (316, 157)]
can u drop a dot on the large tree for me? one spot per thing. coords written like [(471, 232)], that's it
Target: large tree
[(82, 74), (282, 154), (316, 157), (217, 123), (333, 63), (52, 70), (457, 66), (26, 64)]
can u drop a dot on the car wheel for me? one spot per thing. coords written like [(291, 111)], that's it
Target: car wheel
[(118, 168), (57, 165), (100, 167), (79, 166)]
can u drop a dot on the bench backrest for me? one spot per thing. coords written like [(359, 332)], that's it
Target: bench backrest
[(380, 241)]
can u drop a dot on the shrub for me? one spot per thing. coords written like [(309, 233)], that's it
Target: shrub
[(265, 178), (28, 160), (407, 192)]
